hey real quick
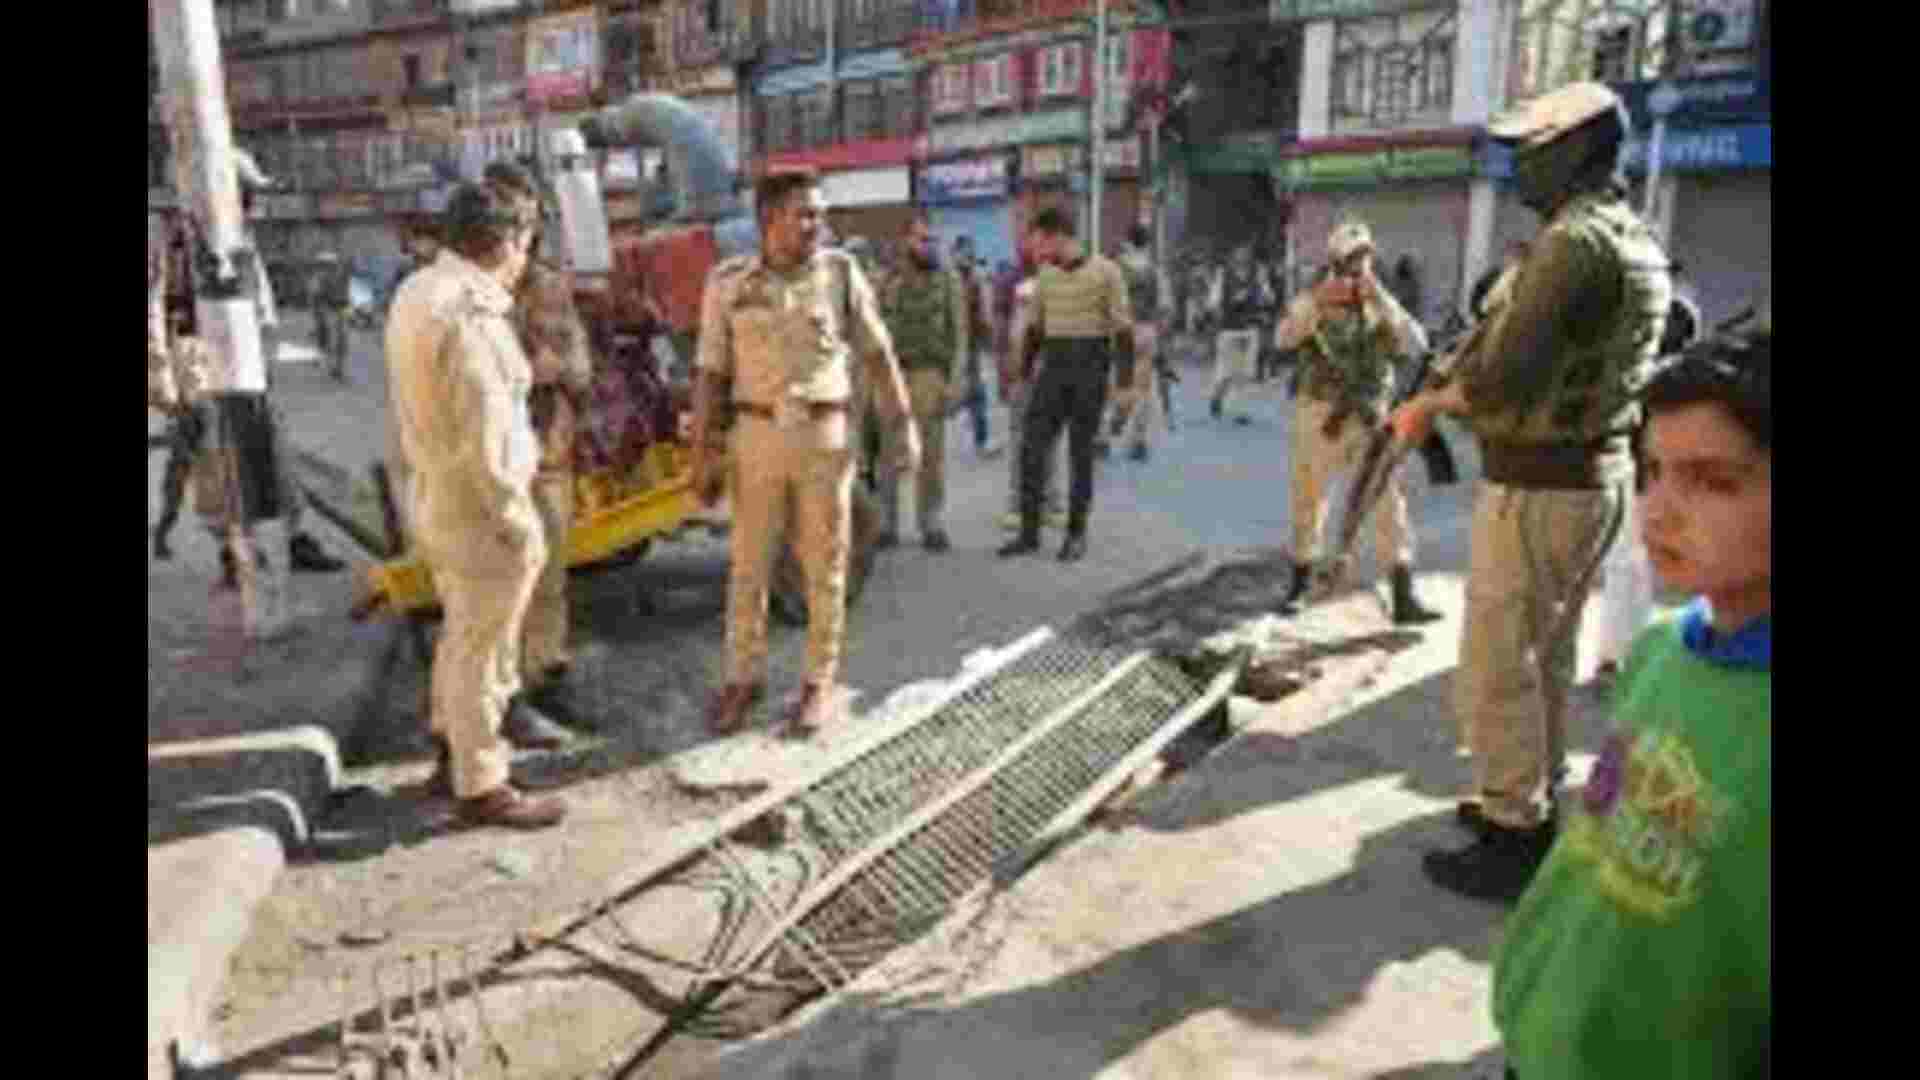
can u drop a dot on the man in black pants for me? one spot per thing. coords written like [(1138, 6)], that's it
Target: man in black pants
[(1081, 316)]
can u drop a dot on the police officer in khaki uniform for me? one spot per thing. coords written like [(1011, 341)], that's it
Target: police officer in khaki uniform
[(779, 333), (925, 308), (458, 387), (1548, 384), (1135, 408), (1351, 335), (555, 341)]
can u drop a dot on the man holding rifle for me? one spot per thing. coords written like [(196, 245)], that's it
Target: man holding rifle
[(1549, 384), (1349, 332)]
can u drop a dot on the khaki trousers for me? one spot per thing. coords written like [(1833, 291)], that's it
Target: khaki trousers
[(1316, 461), (476, 671), (543, 640), (927, 393), (1235, 353), (803, 478), (1527, 548), (1140, 404)]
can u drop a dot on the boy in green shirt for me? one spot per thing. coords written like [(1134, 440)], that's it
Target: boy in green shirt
[(1643, 947)]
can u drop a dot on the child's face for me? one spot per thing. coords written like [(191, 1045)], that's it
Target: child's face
[(1708, 510)]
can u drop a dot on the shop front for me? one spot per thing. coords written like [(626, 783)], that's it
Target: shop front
[(1411, 190), (1226, 195), (971, 197)]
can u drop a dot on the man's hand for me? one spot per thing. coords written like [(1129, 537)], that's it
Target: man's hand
[(907, 454)]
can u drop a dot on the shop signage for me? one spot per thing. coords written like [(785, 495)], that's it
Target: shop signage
[(562, 55), (973, 178), (1307, 10), (1699, 103), (867, 187), (712, 79), (1045, 162), (283, 206), (1376, 166), (346, 204), (1742, 146), (848, 155), (1058, 125), (1429, 162)]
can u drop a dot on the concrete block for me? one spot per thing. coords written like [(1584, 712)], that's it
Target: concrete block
[(201, 895), (277, 780)]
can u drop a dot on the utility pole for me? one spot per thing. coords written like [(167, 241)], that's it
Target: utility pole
[(206, 182), (1098, 142)]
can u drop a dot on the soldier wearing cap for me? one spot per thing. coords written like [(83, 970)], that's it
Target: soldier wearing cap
[(1351, 334), (459, 383), (779, 334), (1548, 384), (555, 343), (172, 242)]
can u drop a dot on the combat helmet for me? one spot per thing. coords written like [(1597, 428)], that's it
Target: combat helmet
[(1565, 141), (1347, 239)]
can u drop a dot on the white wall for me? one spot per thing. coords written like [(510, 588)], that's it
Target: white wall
[(1476, 75), (1316, 79)]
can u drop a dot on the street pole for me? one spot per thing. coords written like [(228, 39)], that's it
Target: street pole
[(1662, 102), (1099, 140), (187, 41)]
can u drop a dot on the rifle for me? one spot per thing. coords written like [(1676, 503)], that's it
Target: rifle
[(1383, 455)]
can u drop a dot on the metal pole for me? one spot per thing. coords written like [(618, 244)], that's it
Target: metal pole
[(1099, 140), (1654, 150), (187, 42)]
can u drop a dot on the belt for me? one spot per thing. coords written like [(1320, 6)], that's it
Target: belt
[(815, 409), (1552, 466)]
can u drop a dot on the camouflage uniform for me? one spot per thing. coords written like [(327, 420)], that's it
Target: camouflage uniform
[(925, 310), (459, 384), (786, 342), (1550, 387), (1348, 357), (555, 343)]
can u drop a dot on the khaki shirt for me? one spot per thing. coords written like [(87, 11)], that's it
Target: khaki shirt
[(1089, 301), (458, 383), (555, 341), (1328, 377), (796, 333)]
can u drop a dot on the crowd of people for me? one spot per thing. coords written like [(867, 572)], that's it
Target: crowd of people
[(1641, 907)]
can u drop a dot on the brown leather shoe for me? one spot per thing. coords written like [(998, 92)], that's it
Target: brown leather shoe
[(507, 806), (727, 713), (818, 705)]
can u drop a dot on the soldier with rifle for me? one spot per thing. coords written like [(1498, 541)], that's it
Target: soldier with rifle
[(1349, 331), (1549, 385)]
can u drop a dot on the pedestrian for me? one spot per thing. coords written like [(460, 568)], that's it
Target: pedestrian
[(1351, 334), (1081, 315), (330, 305), (779, 334), (1549, 391), (191, 454), (1145, 294), (1014, 394), (979, 336), (459, 382), (1644, 946), (1239, 302), (561, 360), (925, 308)]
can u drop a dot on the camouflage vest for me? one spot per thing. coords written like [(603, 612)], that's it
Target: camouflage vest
[(1350, 360), (918, 306), (1594, 393)]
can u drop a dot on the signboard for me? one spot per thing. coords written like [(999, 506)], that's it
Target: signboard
[(283, 206), (346, 204), (1059, 125), (867, 187), (973, 178), (1742, 146), (712, 79), (563, 54), (852, 155), (1376, 166), (1723, 99), (1281, 11), (1045, 162)]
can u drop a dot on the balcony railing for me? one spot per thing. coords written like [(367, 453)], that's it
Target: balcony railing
[(939, 23)]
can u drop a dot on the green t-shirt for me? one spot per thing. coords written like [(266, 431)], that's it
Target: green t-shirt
[(1643, 947)]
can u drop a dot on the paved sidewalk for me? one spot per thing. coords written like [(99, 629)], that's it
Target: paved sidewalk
[(1263, 915)]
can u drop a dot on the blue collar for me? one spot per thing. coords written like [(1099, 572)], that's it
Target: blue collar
[(1751, 646)]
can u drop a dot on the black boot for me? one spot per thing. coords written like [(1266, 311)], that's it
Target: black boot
[(1406, 607), (1026, 543), (1075, 547), (305, 555), (1497, 866), (1302, 577)]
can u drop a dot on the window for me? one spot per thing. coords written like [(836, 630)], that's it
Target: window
[(898, 103), (1392, 70), (1060, 71), (950, 89), (861, 105), (817, 118), (993, 81)]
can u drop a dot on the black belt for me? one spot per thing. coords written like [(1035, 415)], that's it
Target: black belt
[(816, 410)]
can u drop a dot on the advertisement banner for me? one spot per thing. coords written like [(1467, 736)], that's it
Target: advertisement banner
[(1723, 99), (956, 181), (1743, 146), (563, 55), (1054, 126)]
